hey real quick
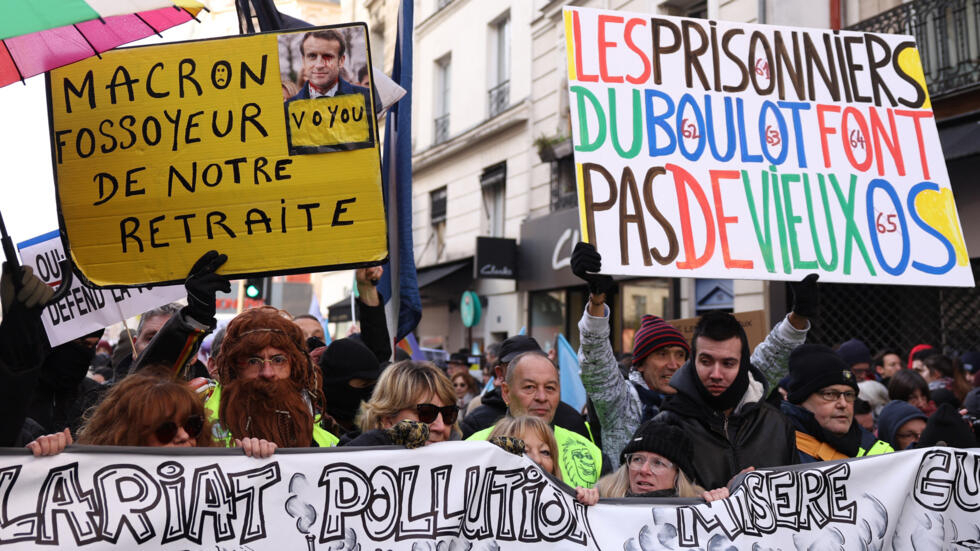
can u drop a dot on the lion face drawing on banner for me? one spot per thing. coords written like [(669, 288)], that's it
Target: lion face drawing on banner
[(576, 461)]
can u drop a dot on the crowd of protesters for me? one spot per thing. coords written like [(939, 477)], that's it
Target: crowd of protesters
[(684, 418)]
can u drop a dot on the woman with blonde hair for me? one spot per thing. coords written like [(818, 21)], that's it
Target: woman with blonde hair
[(414, 391), (656, 463), (540, 446), (147, 409)]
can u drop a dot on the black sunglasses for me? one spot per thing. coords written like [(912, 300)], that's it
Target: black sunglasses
[(193, 426), (429, 412)]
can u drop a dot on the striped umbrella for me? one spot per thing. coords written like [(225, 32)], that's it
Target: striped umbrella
[(40, 35)]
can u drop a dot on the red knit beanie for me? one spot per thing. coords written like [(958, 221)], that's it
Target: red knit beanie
[(655, 333)]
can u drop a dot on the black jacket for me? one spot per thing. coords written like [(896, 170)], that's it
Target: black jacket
[(754, 435), (492, 409), (23, 346)]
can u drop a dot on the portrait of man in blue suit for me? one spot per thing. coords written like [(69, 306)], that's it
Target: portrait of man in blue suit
[(324, 53)]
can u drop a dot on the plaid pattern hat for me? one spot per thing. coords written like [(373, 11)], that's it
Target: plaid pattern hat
[(655, 333)]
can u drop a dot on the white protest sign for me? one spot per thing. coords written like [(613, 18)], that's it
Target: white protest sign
[(465, 496), (86, 309), (716, 149)]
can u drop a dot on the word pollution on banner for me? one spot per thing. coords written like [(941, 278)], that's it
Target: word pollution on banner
[(86, 309), (465, 496), (263, 147), (716, 149)]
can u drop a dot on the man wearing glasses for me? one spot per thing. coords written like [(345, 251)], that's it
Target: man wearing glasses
[(820, 404), (532, 387)]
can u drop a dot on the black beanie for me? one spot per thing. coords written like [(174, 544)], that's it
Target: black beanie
[(662, 439), (815, 366), (946, 427), (347, 359)]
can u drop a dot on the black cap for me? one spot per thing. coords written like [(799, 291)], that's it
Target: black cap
[(460, 358), (515, 345), (813, 367), (347, 359)]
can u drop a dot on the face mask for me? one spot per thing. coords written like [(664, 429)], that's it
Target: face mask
[(343, 400), (66, 365)]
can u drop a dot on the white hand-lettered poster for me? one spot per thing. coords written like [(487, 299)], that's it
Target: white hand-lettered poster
[(733, 150), (466, 496)]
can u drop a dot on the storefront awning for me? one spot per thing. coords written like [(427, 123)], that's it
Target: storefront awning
[(339, 311), (960, 139), (432, 274)]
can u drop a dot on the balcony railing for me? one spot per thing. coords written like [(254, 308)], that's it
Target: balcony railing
[(498, 98), (441, 132), (948, 36)]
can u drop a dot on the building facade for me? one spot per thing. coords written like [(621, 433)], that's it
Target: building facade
[(493, 158)]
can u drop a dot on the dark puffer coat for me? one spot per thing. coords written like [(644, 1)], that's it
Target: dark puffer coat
[(754, 434)]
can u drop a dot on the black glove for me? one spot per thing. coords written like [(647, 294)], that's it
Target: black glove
[(32, 292), (806, 297), (586, 259), (202, 285), (313, 343)]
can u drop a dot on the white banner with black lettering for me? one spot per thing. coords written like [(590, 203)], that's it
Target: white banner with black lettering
[(463, 496), (86, 309)]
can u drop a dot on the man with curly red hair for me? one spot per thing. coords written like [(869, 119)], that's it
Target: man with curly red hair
[(269, 387)]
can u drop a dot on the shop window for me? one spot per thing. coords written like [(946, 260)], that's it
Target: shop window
[(548, 315), (639, 298), (493, 182)]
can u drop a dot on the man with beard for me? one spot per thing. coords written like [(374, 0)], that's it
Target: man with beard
[(820, 404), (269, 387)]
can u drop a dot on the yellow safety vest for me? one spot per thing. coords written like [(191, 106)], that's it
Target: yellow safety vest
[(825, 452)]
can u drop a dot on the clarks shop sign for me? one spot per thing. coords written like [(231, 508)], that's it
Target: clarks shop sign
[(496, 258), (545, 251)]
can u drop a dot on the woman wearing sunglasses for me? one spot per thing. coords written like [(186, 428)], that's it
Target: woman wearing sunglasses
[(656, 462), (415, 391), (147, 409)]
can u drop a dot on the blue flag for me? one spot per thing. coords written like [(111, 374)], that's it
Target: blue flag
[(400, 279), (572, 390)]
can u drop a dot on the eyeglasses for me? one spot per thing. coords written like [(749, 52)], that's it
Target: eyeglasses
[(277, 361), (834, 395), (909, 435), (429, 412), (166, 432), (656, 465)]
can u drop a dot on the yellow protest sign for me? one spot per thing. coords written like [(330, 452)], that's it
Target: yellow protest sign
[(164, 152)]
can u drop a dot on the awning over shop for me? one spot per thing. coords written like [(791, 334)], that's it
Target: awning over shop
[(339, 311), (960, 138), (432, 274)]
